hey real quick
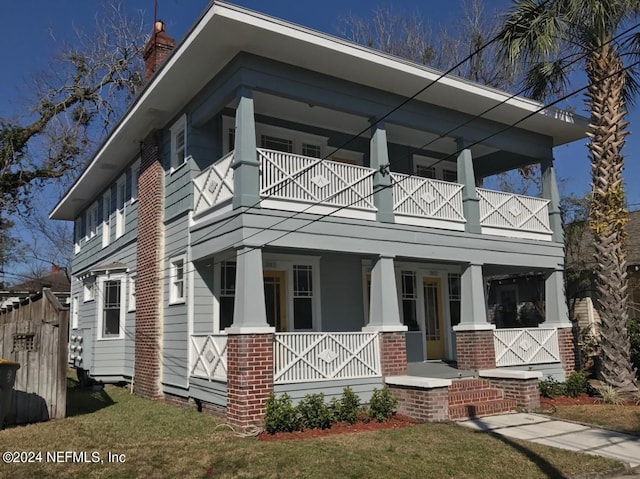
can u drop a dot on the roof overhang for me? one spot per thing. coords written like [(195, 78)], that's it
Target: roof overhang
[(224, 30)]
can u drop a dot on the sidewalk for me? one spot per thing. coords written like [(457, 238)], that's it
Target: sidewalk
[(564, 435)]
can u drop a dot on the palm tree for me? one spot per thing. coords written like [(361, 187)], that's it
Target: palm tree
[(587, 34)]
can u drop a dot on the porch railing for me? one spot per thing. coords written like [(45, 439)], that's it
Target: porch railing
[(519, 347), (507, 211), (308, 357), (290, 177), (214, 185), (209, 356), (426, 198)]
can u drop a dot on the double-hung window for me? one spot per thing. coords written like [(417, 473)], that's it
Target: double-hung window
[(409, 300), (227, 293), (178, 143), (120, 203), (106, 219), (302, 297), (111, 308), (177, 286)]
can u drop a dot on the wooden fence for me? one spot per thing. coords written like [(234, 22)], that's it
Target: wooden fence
[(34, 333)]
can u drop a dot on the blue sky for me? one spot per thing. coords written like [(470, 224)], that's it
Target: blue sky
[(33, 31)]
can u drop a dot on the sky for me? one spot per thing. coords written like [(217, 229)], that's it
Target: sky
[(34, 30)]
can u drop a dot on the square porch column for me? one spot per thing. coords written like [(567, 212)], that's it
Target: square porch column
[(246, 174), (557, 316), (384, 318), (550, 192), (249, 344), (474, 335), (382, 189), (467, 177)]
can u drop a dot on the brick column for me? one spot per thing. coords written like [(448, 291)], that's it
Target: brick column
[(150, 252), (249, 377), (475, 350), (393, 354), (567, 350)]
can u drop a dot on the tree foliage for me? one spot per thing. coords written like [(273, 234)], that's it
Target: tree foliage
[(554, 37)]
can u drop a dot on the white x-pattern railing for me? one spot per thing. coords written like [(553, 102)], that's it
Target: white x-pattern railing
[(292, 177), (209, 356), (514, 212), (214, 185), (428, 198), (519, 347), (308, 357)]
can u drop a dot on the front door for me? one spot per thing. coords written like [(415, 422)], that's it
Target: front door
[(275, 299), (433, 318)]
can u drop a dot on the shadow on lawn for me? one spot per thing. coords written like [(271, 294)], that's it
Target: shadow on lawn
[(85, 400)]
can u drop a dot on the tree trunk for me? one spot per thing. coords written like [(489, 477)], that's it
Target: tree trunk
[(608, 216)]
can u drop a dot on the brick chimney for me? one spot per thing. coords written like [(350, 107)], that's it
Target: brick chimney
[(157, 49)]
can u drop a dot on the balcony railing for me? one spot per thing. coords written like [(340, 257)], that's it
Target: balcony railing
[(298, 183)]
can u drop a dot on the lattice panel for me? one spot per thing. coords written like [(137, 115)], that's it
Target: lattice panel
[(214, 185), (209, 357), (510, 211), (519, 347), (428, 198)]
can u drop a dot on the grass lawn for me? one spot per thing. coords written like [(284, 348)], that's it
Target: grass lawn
[(621, 418), (161, 440)]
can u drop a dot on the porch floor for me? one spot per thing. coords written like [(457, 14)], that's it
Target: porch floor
[(437, 369)]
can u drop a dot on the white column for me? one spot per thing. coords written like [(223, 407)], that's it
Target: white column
[(556, 312), (384, 313)]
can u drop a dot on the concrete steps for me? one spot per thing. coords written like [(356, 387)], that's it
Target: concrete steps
[(470, 398)]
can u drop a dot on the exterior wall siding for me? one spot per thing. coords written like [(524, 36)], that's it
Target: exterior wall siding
[(203, 300)]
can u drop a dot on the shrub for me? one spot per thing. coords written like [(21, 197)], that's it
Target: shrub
[(314, 413), (610, 395), (280, 415), (382, 404), (576, 384), (349, 407), (551, 388)]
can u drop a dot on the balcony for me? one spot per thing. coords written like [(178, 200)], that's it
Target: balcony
[(297, 183)]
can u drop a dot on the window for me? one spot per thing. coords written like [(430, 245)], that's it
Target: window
[(106, 219), (135, 178), (120, 214), (426, 171), (111, 309), (232, 139), (313, 151), (77, 234), (302, 297), (177, 281), (132, 292), (227, 293), (89, 290), (92, 221), (278, 144), (74, 312), (454, 298), (178, 143), (450, 176), (409, 300)]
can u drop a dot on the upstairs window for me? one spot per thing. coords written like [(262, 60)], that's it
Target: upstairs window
[(426, 171), (92, 221), (314, 151), (275, 143), (178, 143), (106, 219), (77, 234), (450, 175), (120, 202), (135, 178)]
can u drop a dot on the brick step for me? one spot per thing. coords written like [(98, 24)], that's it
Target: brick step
[(487, 408), (474, 396), (468, 384)]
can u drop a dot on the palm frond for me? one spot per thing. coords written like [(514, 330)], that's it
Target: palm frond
[(547, 79)]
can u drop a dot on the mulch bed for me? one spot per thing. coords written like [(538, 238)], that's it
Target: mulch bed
[(582, 399), (398, 421)]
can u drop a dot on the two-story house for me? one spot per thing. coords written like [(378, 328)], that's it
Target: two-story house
[(284, 210)]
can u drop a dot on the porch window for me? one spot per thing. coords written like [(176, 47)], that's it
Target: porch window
[(409, 300), (111, 309), (313, 151), (426, 171), (278, 144), (227, 293), (450, 175), (177, 286), (454, 298), (302, 297)]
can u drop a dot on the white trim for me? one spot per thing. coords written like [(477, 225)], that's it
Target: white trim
[(121, 202), (474, 327), (173, 261), (135, 178), (75, 313), (106, 218), (385, 328), (509, 374), (131, 299), (100, 305), (249, 330), (513, 233), (429, 223), (89, 289), (311, 208), (77, 234)]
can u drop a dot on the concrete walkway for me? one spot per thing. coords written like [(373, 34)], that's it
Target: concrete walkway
[(564, 435)]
